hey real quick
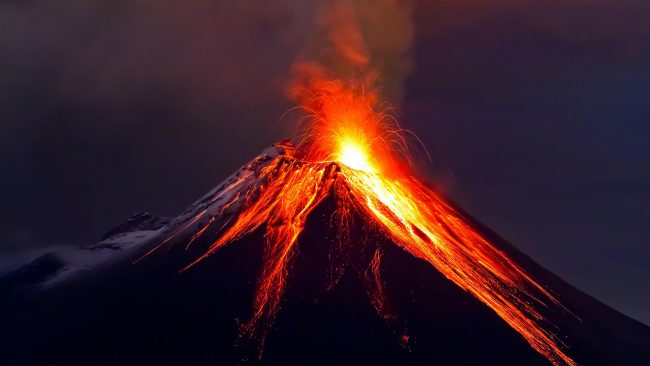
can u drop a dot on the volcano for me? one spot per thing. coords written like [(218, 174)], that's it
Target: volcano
[(352, 296)]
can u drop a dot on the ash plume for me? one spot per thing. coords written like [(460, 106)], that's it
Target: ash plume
[(357, 39)]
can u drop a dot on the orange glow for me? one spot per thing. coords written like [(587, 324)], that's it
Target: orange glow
[(348, 151), (353, 156)]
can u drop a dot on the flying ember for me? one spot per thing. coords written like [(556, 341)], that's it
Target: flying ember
[(350, 149)]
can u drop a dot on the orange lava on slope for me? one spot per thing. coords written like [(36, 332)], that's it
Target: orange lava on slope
[(352, 151)]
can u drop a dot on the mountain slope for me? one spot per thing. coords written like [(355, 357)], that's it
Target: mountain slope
[(121, 313)]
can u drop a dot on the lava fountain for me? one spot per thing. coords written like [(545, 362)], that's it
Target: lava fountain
[(349, 147), (355, 153)]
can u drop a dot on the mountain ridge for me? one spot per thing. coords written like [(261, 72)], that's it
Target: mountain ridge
[(600, 327)]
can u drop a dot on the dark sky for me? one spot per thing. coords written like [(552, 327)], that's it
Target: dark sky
[(536, 114)]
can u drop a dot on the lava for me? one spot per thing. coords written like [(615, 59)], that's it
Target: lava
[(353, 151)]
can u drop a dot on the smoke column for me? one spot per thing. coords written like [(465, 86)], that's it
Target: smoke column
[(368, 41)]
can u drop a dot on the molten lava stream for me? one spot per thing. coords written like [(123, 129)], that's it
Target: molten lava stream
[(347, 150), (428, 228), (410, 214)]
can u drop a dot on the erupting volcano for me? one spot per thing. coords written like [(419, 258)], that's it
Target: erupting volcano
[(353, 151), (343, 197)]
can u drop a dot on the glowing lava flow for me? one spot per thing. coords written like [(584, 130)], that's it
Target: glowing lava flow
[(348, 150)]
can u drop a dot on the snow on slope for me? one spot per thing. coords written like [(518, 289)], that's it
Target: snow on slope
[(54, 265)]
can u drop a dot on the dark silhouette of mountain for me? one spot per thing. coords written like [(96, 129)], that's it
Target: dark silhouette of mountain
[(93, 306)]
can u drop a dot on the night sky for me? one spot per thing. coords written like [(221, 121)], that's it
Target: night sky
[(536, 116)]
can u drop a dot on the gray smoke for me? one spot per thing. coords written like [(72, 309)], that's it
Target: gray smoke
[(352, 38)]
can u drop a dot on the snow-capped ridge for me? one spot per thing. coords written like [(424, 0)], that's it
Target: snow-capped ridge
[(139, 230)]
